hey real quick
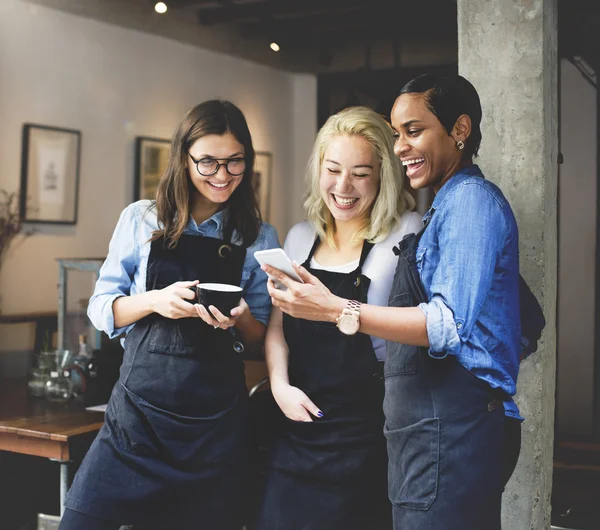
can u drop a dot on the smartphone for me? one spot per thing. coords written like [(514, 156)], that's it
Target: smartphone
[(276, 257)]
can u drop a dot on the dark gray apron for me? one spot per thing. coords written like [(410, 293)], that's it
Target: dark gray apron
[(170, 452), (444, 429), (330, 473)]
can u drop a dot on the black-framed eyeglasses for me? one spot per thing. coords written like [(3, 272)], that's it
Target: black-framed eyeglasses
[(209, 166)]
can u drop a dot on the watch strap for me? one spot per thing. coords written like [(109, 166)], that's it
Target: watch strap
[(352, 308)]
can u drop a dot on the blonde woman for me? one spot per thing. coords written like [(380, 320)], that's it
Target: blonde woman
[(328, 463)]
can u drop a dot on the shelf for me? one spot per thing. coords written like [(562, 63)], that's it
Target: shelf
[(19, 318)]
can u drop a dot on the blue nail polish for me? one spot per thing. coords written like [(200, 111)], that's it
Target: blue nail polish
[(320, 414)]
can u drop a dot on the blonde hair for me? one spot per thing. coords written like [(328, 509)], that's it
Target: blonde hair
[(392, 199)]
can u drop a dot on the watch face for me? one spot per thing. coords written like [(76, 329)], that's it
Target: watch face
[(348, 324)]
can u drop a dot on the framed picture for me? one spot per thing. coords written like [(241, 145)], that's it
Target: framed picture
[(151, 158), (49, 174), (261, 182)]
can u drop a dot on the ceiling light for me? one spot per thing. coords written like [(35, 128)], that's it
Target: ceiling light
[(160, 7), (274, 46)]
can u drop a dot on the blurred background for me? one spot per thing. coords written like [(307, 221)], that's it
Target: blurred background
[(98, 86)]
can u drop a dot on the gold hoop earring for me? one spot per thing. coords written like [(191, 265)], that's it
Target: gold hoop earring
[(460, 144)]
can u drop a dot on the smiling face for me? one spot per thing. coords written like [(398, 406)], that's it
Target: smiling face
[(428, 153), (349, 179), (213, 191)]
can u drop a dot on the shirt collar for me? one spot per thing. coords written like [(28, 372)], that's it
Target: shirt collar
[(469, 171), (216, 219)]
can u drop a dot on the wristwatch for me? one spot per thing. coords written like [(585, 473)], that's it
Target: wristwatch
[(349, 320)]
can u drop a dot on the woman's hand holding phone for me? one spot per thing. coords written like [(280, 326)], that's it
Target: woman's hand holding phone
[(309, 300)]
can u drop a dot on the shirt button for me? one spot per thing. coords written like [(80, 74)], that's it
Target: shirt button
[(458, 326), (238, 347)]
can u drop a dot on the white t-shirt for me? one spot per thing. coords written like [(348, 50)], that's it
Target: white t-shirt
[(379, 266)]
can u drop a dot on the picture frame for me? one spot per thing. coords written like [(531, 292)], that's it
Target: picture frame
[(261, 182), (50, 162), (151, 158)]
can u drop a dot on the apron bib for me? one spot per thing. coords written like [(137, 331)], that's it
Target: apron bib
[(326, 474)]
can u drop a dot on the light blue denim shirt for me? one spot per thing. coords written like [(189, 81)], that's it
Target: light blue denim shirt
[(468, 260), (124, 270)]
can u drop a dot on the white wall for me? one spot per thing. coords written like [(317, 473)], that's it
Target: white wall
[(114, 84), (305, 90), (577, 255)]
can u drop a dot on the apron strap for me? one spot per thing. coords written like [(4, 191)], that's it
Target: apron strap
[(313, 249), (366, 248)]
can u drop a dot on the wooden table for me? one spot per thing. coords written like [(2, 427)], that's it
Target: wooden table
[(34, 426), (60, 431)]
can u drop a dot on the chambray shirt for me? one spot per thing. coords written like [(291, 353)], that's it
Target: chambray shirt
[(468, 260), (124, 271)]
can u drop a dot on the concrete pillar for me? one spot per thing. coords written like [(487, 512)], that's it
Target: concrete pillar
[(508, 50)]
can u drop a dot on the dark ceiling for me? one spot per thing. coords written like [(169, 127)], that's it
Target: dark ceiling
[(302, 24), (313, 28)]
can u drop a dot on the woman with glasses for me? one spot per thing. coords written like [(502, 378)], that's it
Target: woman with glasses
[(171, 450)]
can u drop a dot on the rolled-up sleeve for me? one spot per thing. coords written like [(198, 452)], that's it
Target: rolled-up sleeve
[(116, 274), (255, 291), (469, 245), (441, 328)]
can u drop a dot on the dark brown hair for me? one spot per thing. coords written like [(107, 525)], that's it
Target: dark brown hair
[(173, 196)]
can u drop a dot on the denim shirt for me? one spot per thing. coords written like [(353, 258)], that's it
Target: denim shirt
[(124, 270), (468, 260)]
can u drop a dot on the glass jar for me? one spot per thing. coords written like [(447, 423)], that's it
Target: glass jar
[(46, 360), (63, 357), (37, 383), (58, 388)]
